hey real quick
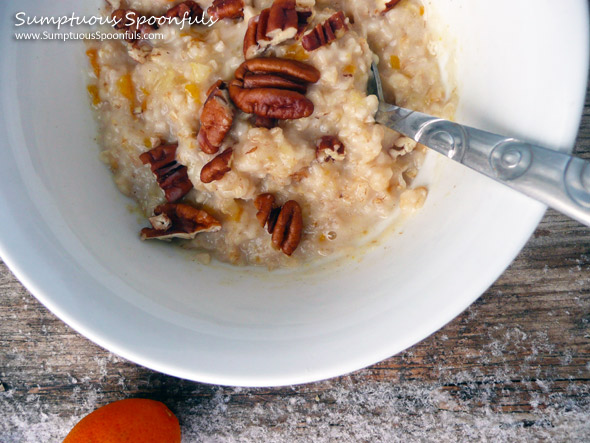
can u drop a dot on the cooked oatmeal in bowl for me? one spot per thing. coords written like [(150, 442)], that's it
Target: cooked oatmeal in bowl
[(245, 131)]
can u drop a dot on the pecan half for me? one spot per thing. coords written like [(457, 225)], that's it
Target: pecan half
[(218, 167), (272, 88), (286, 234), (284, 223), (170, 175), (216, 118), (390, 5), (271, 103), (275, 25), (187, 10), (221, 9), (264, 203), (330, 148), (282, 21), (179, 221), (326, 32)]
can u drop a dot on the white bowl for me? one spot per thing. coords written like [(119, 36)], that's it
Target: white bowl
[(68, 236)]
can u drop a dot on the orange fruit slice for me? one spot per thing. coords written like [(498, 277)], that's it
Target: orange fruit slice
[(125, 421)]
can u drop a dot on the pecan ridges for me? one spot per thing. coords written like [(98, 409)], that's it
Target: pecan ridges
[(170, 175), (221, 9), (216, 118), (273, 88), (326, 32), (284, 223)]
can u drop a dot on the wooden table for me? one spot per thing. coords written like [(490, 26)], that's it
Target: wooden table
[(514, 366)]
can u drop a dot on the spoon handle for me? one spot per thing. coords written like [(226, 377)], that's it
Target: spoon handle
[(559, 180)]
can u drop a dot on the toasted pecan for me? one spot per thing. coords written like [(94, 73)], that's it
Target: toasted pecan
[(175, 220), (218, 167), (284, 223), (216, 118), (330, 148), (270, 103), (273, 88), (264, 203), (221, 9), (325, 32), (286, 234), (282, 21), (172, 177), (160, 156)]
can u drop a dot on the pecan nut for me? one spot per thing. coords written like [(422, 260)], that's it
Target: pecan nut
[(216, 118), (282, 21), (326, 32), (160, 156), (271, 103), (273, 88), (172, 177), (330, 148), (284, 223), (286, 234), (175, 220), (221, 9), (264, 203), (275, 25), (218, 167)]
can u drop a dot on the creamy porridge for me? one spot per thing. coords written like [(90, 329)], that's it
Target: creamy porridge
[(253, 139)]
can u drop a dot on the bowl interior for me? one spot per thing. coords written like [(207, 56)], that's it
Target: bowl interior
[(70, 238)]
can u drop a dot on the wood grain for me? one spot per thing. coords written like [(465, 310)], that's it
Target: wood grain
[(515, 365)]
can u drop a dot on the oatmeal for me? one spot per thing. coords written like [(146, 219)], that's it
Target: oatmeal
[(254, 139)]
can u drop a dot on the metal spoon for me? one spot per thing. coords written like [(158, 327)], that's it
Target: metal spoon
[(559, 180)]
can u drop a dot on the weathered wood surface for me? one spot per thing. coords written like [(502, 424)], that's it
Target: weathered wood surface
[(515, 365)]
